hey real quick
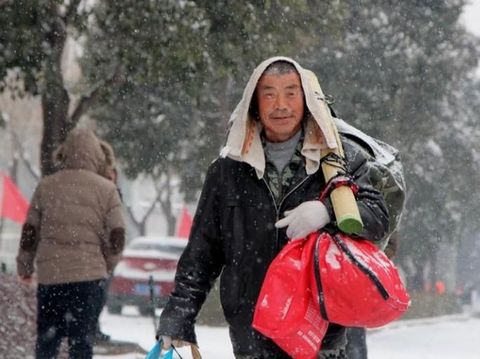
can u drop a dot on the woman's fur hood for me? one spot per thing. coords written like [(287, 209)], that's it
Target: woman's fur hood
[(82, 150)]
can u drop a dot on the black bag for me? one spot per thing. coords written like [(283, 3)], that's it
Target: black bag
[(386, 170)]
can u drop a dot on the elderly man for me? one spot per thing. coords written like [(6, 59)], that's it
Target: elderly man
[(270, 167)]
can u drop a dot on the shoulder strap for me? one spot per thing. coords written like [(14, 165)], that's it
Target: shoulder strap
[(343, 200)]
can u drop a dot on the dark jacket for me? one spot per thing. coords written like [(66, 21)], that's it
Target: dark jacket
[(233, 234)]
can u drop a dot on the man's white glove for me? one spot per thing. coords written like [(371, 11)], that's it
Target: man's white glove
[(304, 219)]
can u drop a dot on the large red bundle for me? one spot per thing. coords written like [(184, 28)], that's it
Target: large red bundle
[(324, 279), (358, 285), (286, 310)]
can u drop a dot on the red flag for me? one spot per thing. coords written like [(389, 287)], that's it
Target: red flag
[(184, 224), (12, 203)]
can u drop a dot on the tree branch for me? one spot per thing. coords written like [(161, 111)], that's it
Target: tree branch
[(166, 204), (28, 164), (71, 10), (132, 216), (152, 206), (140, 223), (88, 99)]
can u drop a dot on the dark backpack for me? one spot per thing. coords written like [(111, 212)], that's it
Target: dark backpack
[(386, 170)]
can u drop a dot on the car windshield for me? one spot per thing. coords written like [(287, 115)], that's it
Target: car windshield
[(158, 247)]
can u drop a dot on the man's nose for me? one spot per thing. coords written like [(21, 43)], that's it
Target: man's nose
[(281, 103)]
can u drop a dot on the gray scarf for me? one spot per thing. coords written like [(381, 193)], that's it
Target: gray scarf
[(280, 153)]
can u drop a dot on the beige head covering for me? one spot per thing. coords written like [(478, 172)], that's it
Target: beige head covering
[(81, 150), (244, 143)]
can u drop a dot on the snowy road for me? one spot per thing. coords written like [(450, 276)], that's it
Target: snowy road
[(439, 338)]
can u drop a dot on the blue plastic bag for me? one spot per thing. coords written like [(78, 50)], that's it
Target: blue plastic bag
[(156, 352)]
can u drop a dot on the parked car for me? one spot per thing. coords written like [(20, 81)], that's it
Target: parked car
[(142, 259)]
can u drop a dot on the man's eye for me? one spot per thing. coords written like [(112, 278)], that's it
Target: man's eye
[(269, 95)]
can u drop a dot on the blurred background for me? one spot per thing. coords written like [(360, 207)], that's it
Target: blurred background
[(159, 79)]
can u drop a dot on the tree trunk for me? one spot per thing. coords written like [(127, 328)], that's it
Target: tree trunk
[(55, 99), (13, 168), (171, 223), (57, 122), (417, 283), (55, 110), (142, 227), (166, 205)]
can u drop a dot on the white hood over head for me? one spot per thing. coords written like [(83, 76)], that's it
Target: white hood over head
[(244, 143)]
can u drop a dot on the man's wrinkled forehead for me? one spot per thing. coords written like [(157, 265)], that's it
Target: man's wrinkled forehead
[(281, 69)]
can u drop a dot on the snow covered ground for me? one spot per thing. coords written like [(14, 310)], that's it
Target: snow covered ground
[(435, 338)]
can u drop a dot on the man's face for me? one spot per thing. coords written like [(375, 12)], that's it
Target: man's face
[(280, 105)]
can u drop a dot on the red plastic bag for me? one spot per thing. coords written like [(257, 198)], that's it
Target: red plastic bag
[(359, 285), (286, 309)]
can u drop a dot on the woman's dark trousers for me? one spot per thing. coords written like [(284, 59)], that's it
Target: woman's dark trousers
[(67, 310)]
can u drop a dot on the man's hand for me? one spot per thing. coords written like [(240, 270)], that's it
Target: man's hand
[(306, 218), (167, 342)]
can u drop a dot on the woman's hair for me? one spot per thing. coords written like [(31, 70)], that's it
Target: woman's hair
[(109, 172), (108, 152)]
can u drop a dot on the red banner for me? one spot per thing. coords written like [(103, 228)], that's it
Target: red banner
[(13, 204), (184, 224)]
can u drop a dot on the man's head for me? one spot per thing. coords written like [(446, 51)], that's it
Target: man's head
[(280, 101)]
